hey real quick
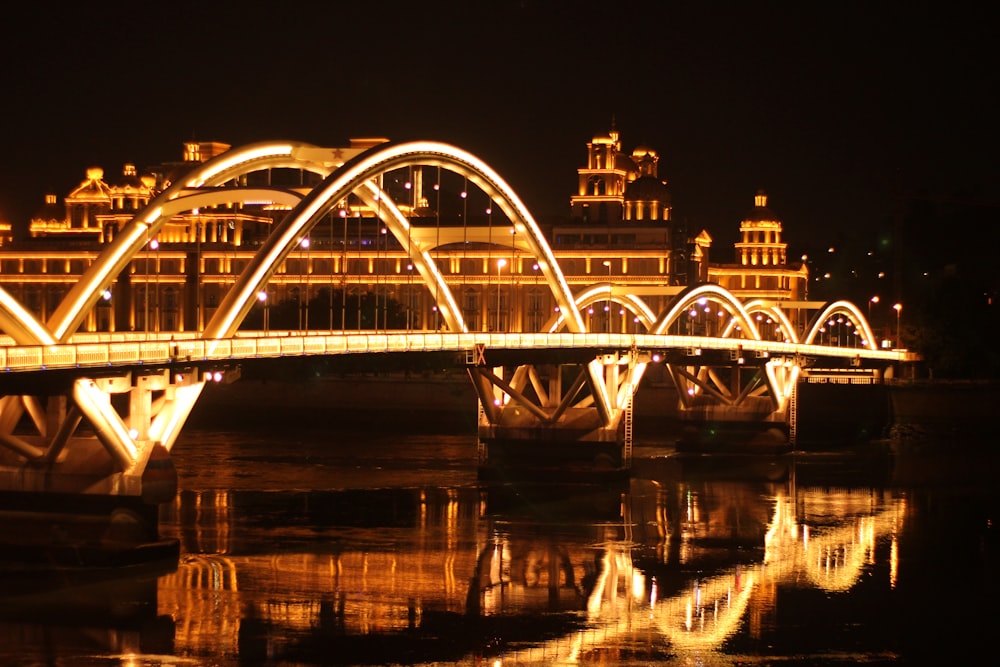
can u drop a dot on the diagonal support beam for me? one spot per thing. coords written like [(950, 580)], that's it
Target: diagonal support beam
[(108, 426), (517, 396)]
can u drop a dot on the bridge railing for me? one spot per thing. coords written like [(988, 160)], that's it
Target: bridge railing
[(89, 352)]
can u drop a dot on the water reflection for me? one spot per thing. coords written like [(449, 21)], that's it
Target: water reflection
[(693, 561), (532, 574)]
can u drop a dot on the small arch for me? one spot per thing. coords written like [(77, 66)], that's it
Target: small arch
[(604, 293), (691, 295), (841, 307)]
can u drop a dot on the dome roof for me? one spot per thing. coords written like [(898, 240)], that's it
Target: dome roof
[(760, 212), (647, 188), (643, 151)]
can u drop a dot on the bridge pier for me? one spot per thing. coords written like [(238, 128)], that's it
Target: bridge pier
[(84, 467), (734, 401), (567, 417)]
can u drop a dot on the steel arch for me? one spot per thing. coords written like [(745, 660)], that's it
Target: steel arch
[(839, 307), (133, 236), (605, 292), (358, 173), (761, 306), (692, 294)]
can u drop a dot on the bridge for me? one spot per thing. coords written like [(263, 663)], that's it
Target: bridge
[(569, 384)]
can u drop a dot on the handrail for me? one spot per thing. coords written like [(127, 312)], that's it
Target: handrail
[(102, 350)]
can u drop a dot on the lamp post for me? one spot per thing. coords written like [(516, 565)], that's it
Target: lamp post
[(500, 264), (145, 291), (262, 297), (304, 285), (155, 245), (871, 302), (898, 307), (607, 304)]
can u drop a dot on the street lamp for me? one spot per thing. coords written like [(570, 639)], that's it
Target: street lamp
[(262, 297), (898, 307), (871, 301), (607, 305), (500, 264), (304, 285), (155, 245)]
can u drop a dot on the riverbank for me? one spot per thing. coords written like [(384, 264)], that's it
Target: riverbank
[(943, 410), (445, 402)]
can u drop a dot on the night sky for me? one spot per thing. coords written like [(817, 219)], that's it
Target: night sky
[(836, 110)]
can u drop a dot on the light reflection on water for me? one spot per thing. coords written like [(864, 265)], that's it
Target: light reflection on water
[(308, 549)]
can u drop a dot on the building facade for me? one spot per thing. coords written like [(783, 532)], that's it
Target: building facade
[(350, 274)]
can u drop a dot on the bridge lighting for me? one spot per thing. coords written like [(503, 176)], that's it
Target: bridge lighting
[(607, 304), (500, 264), (305, 242), (106, 295), (898, 307)]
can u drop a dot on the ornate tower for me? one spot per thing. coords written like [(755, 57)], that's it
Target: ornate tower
[(615, 187), (760, 233), (601, 194)]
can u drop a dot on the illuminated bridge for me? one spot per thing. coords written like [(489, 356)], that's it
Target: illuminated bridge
[(569, 381)]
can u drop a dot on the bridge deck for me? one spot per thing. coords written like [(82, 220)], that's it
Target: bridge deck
[(129, 350)]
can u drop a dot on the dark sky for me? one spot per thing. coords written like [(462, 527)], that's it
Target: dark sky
[(833, 108)]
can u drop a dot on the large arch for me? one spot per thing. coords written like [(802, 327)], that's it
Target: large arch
[(135, 234), (20, 324), (357, 175)]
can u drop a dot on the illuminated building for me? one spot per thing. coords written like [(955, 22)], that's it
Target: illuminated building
[(761, 269), (621, 229)]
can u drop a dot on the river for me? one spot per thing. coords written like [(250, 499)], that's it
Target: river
[(307, 546)]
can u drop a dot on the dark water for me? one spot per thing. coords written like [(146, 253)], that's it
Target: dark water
[(308, 548)]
